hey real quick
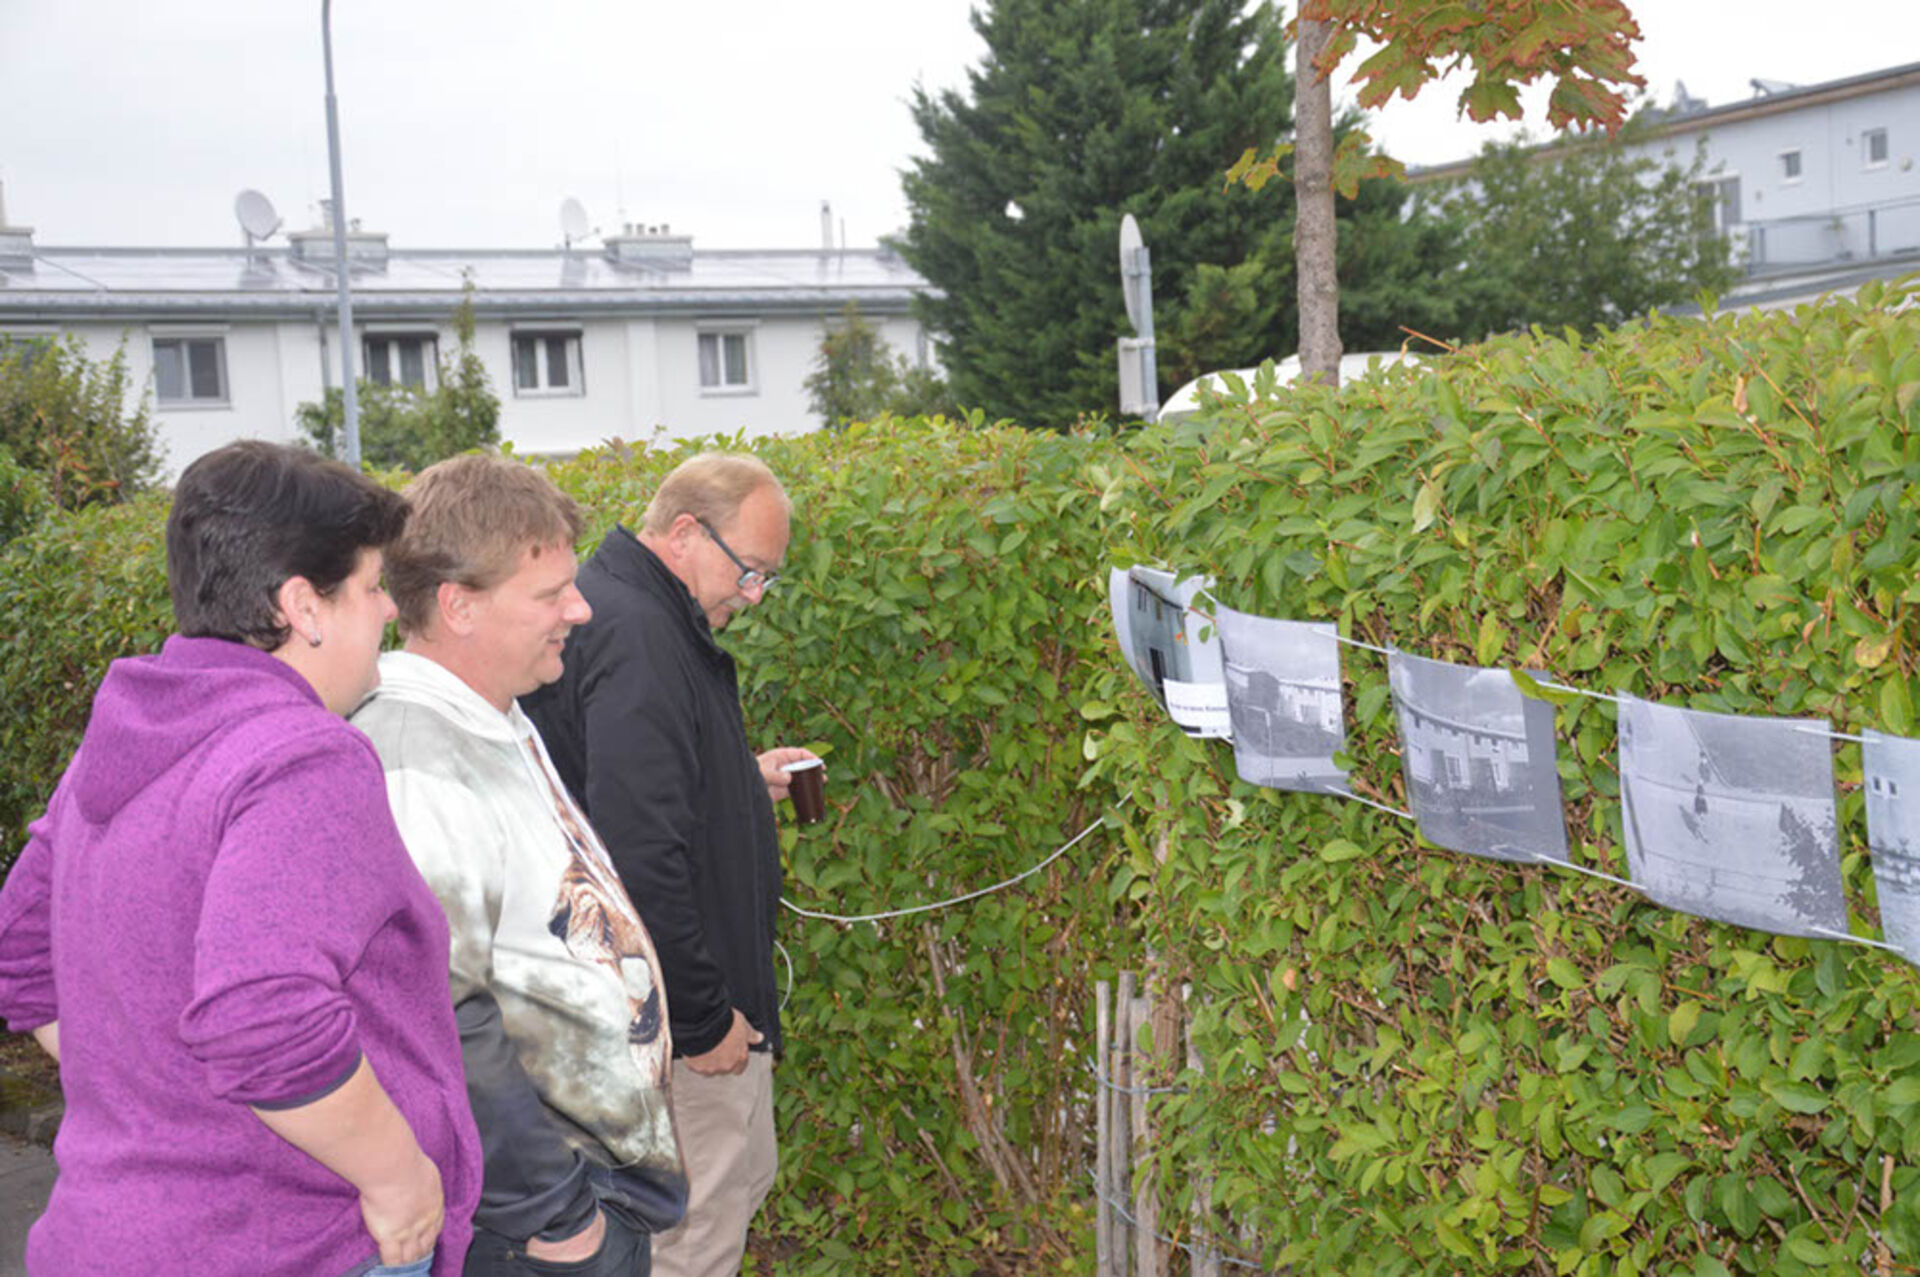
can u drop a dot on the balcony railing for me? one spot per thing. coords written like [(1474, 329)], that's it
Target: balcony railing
[(1863, 233)]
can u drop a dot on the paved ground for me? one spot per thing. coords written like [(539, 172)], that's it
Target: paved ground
[(26, 1177)]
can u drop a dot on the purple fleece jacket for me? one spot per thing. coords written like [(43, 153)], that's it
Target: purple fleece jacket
[(219, 912)]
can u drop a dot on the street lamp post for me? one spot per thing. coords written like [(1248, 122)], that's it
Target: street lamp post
[(349, 396)]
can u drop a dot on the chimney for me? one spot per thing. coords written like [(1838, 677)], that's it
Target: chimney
[(652, 247), (365, 249), (16, 242), (826, 227)]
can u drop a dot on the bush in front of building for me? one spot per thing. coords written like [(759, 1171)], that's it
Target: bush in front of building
[(857, 376), (410, 428), (65, 417)]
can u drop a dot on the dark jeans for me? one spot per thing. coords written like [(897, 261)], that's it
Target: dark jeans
[(626, 1252)]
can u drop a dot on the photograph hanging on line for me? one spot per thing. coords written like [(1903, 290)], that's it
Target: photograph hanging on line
[(1284, 699), (1478, 756), (1170, 647), (1732, 817), (1891, 766)]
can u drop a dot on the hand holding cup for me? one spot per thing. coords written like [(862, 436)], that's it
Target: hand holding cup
[(808, 790)]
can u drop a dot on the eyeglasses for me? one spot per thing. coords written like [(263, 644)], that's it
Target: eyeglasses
[(751, 578)]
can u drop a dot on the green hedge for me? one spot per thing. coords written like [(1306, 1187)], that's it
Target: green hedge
[(76, 592), (1500, 1067), (933, 636), (1520, 1069)]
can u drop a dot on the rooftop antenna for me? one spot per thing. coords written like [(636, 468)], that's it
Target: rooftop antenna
[(573, 222), (256, 216)]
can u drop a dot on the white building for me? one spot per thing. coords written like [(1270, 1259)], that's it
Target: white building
[(635, 335), (1816, 186)]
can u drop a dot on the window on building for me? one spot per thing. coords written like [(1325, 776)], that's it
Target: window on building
[(1719, 200), (190, 371), (24, 348), (725, 361), (1873, 148), (402, 359), (1790, 166), (547, 363)]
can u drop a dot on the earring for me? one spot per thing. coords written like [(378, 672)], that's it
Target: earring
[(313, 640)]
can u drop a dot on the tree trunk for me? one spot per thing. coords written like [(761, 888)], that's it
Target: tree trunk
[(1314, 232)]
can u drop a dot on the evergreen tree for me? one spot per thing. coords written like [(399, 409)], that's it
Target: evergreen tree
[(1079, 114)]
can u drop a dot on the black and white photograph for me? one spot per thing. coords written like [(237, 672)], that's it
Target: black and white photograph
[(1478, 756), (1892, 778), (1732, 817), (1284, 700), (1171, 647)]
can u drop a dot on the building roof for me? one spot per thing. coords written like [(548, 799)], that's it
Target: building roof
[(191, 283), (1671, 123)]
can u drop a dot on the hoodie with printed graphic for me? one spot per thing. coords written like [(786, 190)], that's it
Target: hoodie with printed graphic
[(555, 982)]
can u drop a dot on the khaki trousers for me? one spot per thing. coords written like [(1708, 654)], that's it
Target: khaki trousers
[(725, 1125)]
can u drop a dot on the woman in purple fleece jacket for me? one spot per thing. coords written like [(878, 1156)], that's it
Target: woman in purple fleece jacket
[(217, 931)]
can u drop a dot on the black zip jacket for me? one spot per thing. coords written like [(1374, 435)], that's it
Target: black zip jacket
[(646, 731)]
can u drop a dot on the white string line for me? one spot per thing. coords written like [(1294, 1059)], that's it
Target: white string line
[(1194, 1251), (1853, 939), (1062, 850), (1353, 642), (1101, 1077), (1367, 802), (1581, 691), (788, 995), (1539, 859), (1820, 731)]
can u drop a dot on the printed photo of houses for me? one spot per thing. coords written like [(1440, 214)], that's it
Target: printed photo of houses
[(1283, 696), (1478, 756), (1892, 772), (1732, 817), (1166, 642)]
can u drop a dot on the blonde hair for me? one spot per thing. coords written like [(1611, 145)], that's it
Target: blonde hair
[(711, 487), (473, 517)]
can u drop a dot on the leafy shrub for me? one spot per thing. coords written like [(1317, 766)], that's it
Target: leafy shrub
[(76, 592), (404, 428), (65, 416), (24, 498), (1420, 1062), (1413, 1061), (857, 377), (932, 634)]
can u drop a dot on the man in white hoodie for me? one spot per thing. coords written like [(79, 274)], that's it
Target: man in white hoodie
[(556, 985)]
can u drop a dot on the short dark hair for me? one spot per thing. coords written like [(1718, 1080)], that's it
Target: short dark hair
[(248, 517)]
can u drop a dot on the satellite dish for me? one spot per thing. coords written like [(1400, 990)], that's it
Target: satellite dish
[(573, 220), (1130, 245), (256, 215)]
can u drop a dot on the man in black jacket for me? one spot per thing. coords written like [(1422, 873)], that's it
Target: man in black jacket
[(645, 729)]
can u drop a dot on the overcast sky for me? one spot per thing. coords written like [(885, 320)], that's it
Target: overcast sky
[(466, 122)]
